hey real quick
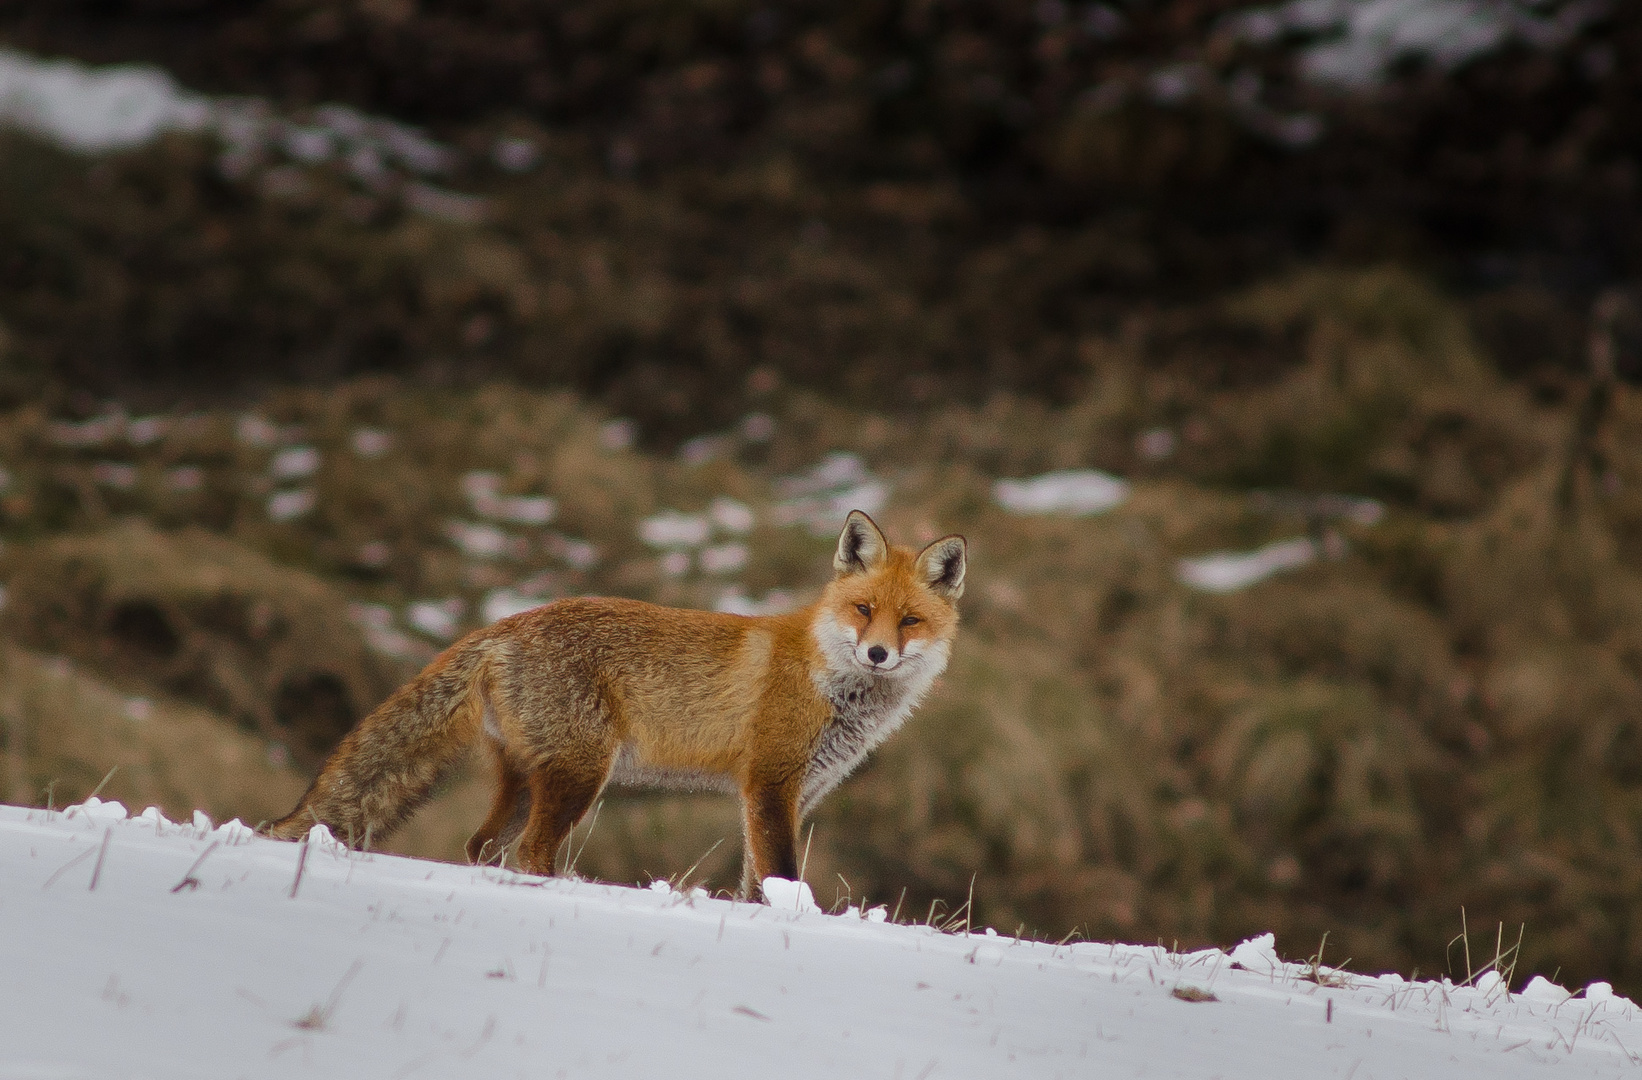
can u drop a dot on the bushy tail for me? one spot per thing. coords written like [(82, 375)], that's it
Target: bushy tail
[(385, 767)]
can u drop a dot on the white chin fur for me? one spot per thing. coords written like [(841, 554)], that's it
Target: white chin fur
[(842, 647)]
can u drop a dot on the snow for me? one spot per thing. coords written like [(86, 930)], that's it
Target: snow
[(371, 442), (483, 491), (1078, 492), (735, 601), (373, 554), (99, 109), (115, 474), (525, 509), (480, 485), (1364, 40), (146, 430), (515, 155), (93, 110), (1229, 571), (1540, 988), (500, 603), (618, 434), (823, 496), (704, 448), (672, 529), (286, 506), (784, 895), (481, 540), (1156, 444), (376, 621), (1258, 954), (758, 427), (577, 554), (263, 434), (724, 558), (675, 532), (439, 619), (185, 478), (294, 463), (731, 516), (143, 948)]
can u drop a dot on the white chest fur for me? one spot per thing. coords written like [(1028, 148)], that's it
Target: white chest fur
[(867, 707)]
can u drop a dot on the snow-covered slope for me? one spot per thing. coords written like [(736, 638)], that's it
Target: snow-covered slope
[(116, 966)]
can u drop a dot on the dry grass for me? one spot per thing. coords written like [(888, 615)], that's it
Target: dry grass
[(208, 619), (75, 726)]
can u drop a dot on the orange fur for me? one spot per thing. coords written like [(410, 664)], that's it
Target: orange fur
[(582, 692)]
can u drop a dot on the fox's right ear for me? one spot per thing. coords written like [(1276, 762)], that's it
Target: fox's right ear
[(861, 546)]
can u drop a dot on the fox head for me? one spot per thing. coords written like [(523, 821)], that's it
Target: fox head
[(889, 610)]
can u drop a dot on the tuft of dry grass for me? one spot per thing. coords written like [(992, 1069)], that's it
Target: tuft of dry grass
[(1315, 972), (318, 1018)]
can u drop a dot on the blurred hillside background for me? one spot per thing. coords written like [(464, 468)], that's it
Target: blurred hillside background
[(1305, 337)]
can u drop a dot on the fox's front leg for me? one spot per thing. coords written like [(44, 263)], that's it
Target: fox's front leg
[(770, 810)]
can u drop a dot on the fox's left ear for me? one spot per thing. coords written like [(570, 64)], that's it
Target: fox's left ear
[(941, 567)]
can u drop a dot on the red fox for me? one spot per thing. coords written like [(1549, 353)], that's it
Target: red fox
[(583, 692)]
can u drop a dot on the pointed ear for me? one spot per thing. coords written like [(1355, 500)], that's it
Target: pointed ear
[(861, 546), (941, 566)]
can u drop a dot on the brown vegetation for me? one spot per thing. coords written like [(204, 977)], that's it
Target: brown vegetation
[(950, 196), (205, 619)]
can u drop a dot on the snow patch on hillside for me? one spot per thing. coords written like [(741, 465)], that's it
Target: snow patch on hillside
[(95, 109), (139, 947)]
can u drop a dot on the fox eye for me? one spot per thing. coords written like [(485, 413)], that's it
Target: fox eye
[(865, 611), (911, 620)]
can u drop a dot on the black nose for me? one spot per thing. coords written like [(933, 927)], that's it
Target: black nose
[(877, 654)]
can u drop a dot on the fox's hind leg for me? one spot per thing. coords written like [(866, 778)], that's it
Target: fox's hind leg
[(568, 730), (560, 794), (508, 811)]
